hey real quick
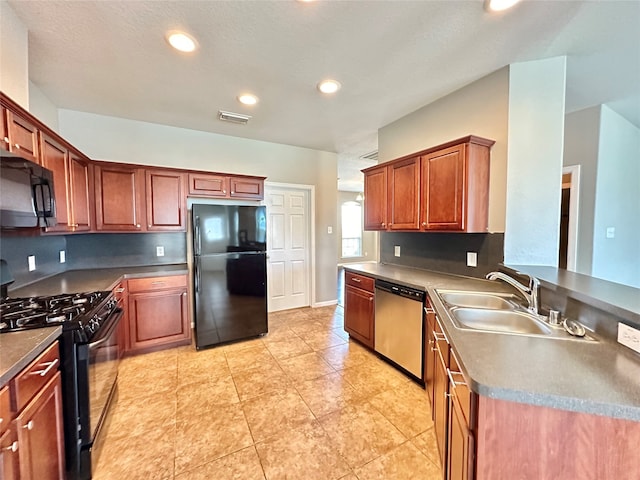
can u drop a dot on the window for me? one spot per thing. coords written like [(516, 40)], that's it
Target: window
[(351, 229)]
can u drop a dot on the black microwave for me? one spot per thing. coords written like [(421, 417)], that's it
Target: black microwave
[(26, 194)]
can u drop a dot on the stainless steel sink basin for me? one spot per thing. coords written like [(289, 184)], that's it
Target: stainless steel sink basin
[(493, 301), (503, 321)]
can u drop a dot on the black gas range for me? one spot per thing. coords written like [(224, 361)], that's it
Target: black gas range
[(90, 348)]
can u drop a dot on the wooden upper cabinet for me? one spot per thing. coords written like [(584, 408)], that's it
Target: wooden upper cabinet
[(455, 187), (246, 187), (54, 156), (4, 135), (226, 186), (404, 194), (166, 200), (21, 137), (443, 189), (80, 192), (119, 194), (375, 203), (208, 185)]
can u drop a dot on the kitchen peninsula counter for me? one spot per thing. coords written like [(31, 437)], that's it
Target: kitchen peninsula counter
[(92, 280), (19, 349), (601, 378)]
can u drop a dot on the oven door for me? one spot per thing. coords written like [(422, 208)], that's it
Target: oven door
[(104, 359)]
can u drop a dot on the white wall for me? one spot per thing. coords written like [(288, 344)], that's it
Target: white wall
[(617, 201), (480, 108), (42, 108), (116, 139), (14, 56), (581, 137), (534, 172)]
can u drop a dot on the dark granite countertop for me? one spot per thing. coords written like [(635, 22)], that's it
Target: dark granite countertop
[(96, 279), (19, 349), (601, 378)]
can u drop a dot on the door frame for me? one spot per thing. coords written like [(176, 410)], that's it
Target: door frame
[(311, 229), (574, 203)]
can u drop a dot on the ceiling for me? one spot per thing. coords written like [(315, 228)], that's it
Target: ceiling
[(392, 57)]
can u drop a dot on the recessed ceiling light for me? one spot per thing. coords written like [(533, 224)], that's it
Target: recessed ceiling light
[(181, 41), (248, 99), (499, 5), (329, 86)]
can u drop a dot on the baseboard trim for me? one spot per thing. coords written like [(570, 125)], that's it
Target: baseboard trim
[(325, 304)]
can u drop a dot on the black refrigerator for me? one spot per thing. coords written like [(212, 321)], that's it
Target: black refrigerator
[(230, 272)]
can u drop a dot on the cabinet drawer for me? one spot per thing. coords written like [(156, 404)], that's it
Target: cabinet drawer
[(156, 283), (5, 409), (360, 281), (36, 375), (460, 388)]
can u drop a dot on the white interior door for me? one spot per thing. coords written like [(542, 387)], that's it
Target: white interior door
[(288, 248)]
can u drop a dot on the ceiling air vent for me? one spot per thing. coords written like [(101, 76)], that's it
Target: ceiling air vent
[(370, 156), (233, 117)]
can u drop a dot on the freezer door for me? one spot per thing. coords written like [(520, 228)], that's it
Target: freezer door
[(228, 228), (230, 297)]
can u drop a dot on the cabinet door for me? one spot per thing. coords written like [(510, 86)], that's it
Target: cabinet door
[(23, 137), (404, 194), (9, 453), (40, 435), (443, 174), (208, 185), (460, 444), (4, 134), (375, 199), (359, 315), (54, 157), (121, 296), (251, 188), (158, 318), (80, 192), (166, 201), (119, 198)]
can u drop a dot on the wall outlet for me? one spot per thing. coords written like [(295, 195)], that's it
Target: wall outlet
[(472, 259), (63, 256), (611, 232), (629, 337), (396, 250), (159, 251), (329, 230), (31, 259)]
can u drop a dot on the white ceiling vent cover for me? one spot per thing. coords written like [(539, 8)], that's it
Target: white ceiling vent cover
[(370, 156), (233, 117)]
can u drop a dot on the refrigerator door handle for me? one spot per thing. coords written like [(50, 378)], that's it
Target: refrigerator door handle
[(198, 242), (196, 277)]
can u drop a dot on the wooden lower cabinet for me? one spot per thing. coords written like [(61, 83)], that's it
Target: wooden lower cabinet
[(158, 313), (359, 308), (122, 296), (41, 436), (32, 444), (440, 389)]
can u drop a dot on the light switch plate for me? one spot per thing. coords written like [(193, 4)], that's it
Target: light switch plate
[(629, 337), (159, 251), (329, 230), (31, 259), (396, 250), (63, 256), (472, 259)]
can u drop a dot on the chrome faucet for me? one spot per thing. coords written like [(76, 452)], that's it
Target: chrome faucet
[(530, 293)]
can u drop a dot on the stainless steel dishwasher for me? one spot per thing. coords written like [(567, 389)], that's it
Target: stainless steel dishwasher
[(399, 325)]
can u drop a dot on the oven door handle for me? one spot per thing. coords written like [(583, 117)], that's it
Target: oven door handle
[(112, 327)]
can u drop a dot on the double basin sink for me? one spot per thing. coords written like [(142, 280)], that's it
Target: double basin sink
[(498, 313)]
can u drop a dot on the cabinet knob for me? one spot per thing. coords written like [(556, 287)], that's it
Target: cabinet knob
[(137, 225), (424, 224), (224, 192), (17, 146), (371, 299), (6, 139), (13, 447), (232, 192), (383, 224), (29, 426), (149, 225)]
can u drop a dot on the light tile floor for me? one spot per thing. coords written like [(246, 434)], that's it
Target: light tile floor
[(303, 402)]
